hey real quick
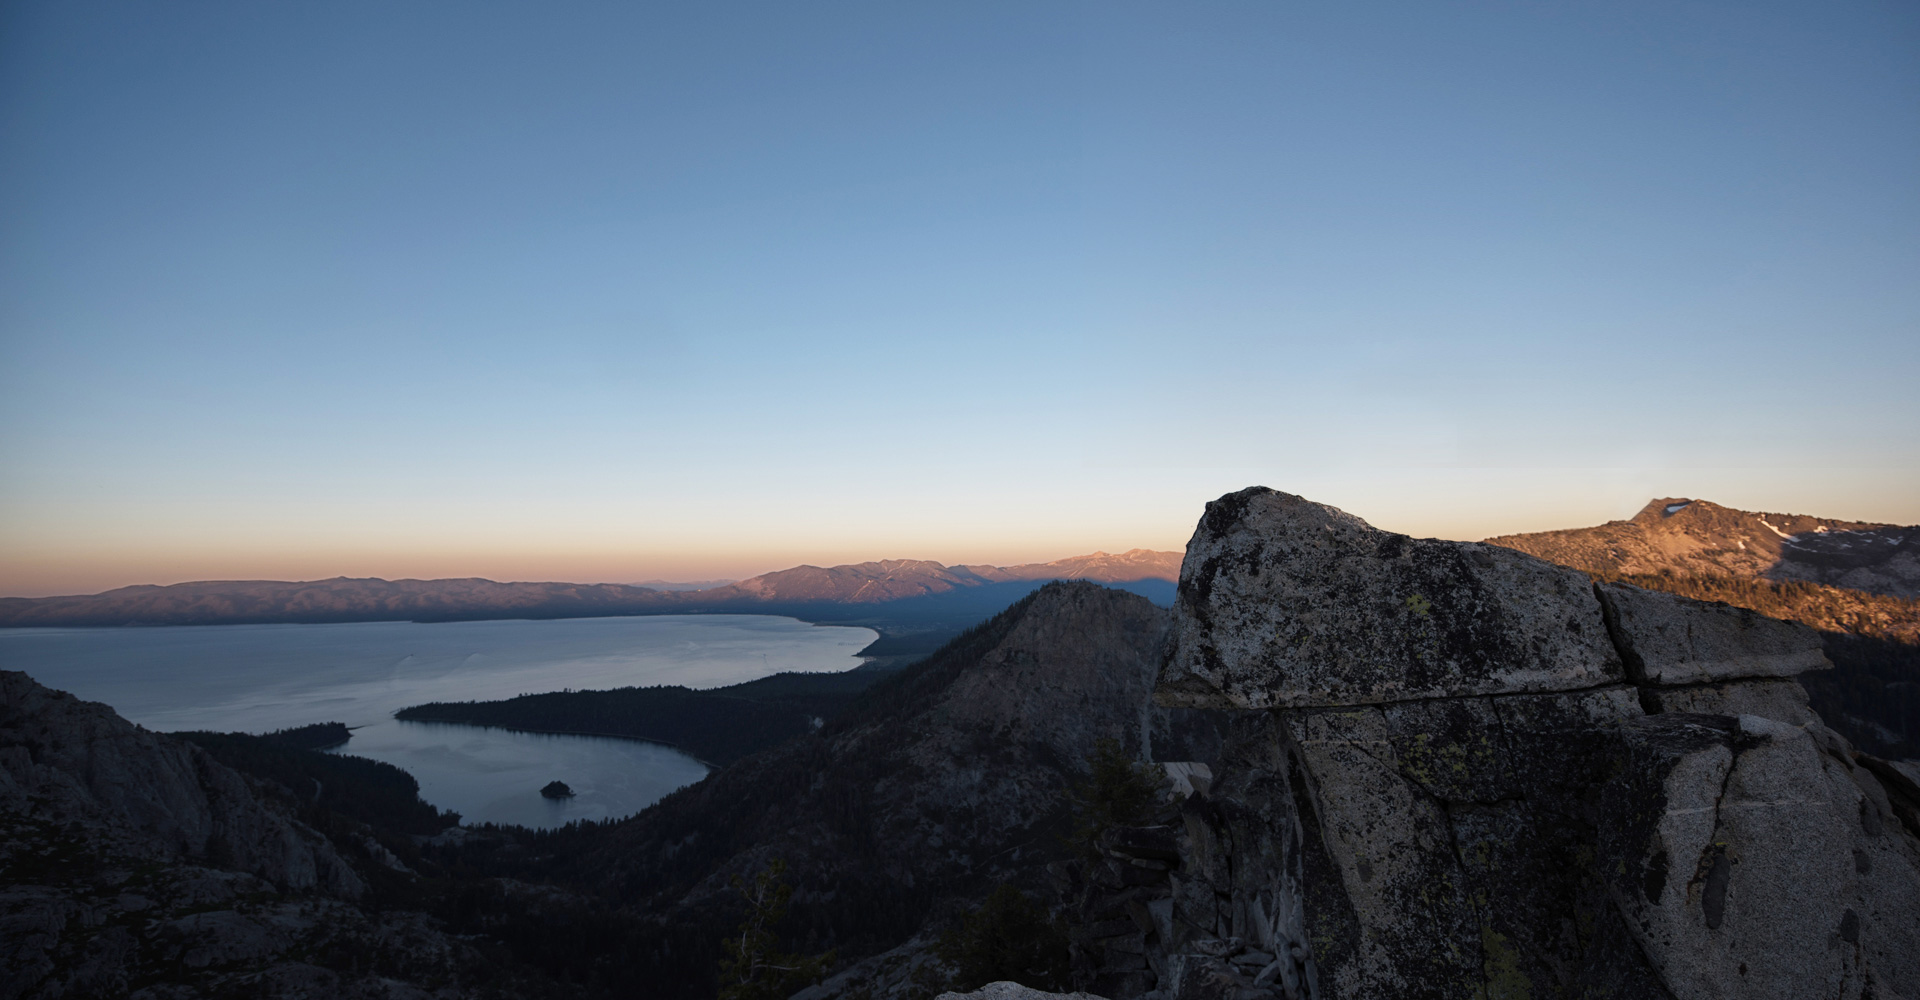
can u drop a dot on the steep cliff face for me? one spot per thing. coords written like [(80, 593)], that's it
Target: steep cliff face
[(1457, 771)]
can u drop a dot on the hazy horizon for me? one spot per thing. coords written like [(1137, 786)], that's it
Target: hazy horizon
[(298, 575), (619, 292)]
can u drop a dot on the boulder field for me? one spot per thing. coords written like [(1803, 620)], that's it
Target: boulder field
[(1455, 770)]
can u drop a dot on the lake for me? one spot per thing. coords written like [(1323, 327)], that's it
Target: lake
[(258, 678)]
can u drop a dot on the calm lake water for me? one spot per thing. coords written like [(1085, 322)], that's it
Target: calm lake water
[(258, 678)]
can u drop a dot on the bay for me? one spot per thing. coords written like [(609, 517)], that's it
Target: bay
[(258, 678)]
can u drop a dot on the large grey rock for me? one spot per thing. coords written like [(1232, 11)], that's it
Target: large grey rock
[(1288, 603), (1477, 802), (1749, 863), (1451, 832), (1780, 700), (908, 971), (1666, 639), (1545, 845)]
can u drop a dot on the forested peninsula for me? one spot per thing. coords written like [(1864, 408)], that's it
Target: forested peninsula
[(718, 726)]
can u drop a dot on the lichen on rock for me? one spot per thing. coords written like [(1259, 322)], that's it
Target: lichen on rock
[(1287, 603)]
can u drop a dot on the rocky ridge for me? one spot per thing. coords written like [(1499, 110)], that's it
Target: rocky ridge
[(1856, 582), (78, 765), (1684, 537), (1458, 771), (134, 864)]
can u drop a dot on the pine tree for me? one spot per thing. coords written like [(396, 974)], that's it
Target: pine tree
[(1118, 792), (1009, 937), (754, 967)]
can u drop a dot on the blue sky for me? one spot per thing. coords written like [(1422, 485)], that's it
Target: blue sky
[(623, 291)]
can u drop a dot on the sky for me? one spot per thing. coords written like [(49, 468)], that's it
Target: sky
[(629, 291)]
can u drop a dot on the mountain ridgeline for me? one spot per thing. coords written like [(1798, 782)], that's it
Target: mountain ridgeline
[(1676, 536), (915, 605), (1857, 582)]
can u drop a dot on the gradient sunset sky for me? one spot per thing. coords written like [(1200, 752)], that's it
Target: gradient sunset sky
[(624, 291)]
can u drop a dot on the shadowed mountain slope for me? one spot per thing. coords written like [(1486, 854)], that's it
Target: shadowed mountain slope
[(940, 782), (156, 866)]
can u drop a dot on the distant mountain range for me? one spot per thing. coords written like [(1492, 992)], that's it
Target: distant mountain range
[(681, 584), (899, 579), (342, 599), (1683, 537), (914, 595)]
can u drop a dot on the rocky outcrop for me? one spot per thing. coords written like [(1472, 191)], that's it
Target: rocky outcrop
[(76, 763), (1856, 583), (134, 864), (1297, 605), (1667, 640), (1697, 537), (1457, 771)]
